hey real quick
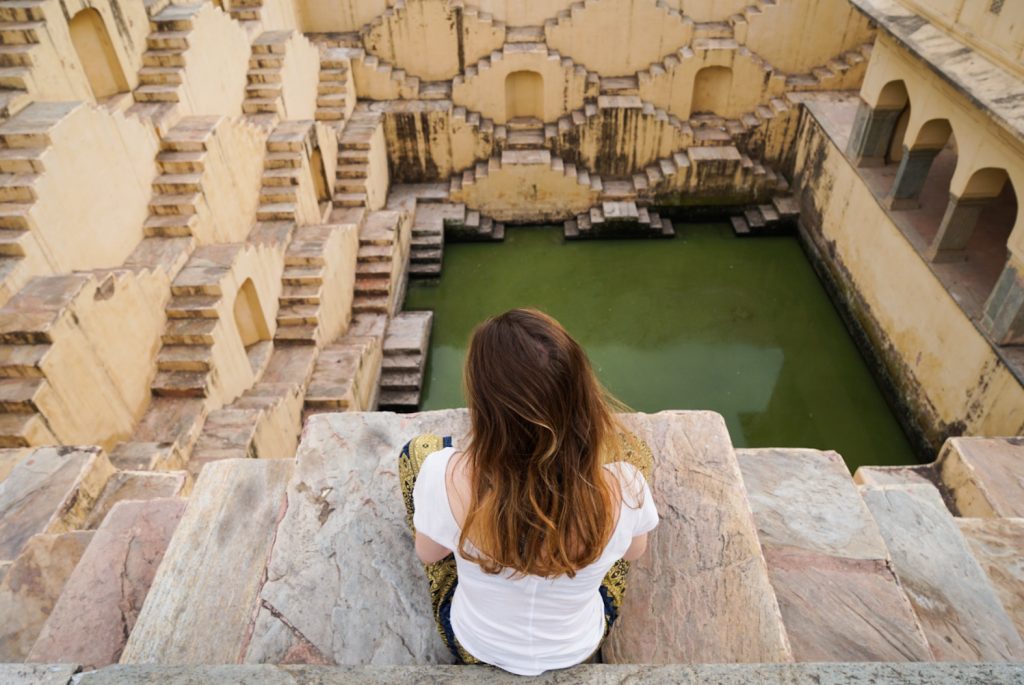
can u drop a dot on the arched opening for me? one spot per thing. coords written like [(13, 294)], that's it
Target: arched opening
[(928, 160), (96, 54), (876, 133), (250, 322), (975, 229), (711, 88), (899, 132), (524, 95), (316, 168)]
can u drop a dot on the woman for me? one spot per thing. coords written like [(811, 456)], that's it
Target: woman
[(527, 531)]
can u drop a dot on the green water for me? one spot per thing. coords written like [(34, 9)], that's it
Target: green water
[(704, 321)]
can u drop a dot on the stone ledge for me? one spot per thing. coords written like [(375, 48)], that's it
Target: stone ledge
[(717, 674)]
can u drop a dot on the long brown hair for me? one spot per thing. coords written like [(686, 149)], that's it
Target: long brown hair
[(540, 421)]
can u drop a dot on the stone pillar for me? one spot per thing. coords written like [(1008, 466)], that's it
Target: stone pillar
[(956, 229), (1004, 312), (872, 131), (910, 178)]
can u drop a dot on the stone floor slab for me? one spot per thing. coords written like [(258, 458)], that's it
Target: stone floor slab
[(344, 556), (101, 601), (701, 593), (959, 611), (828, 563), (998, 545), (37, 674), (200, 606), (31, 587), (602, 674), (136, 485), (51, 490)]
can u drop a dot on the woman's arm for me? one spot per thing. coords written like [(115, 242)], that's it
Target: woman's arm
[(429, 551), (636, 548)]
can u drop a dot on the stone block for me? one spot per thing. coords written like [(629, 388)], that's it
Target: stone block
[(701, 593), (984, 475), (31, 588), (344, 556), (137, 485), (37, 674), (590, 674), (200, 606), (50, 491), (998, 545), (955, 603), (828, 563), (102, 599)]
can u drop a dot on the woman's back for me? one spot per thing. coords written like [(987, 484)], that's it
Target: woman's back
[(527, 624)]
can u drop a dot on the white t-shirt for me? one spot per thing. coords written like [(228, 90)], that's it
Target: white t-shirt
[(528, 625)]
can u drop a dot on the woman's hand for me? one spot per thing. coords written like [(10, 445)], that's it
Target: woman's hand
[(429, 551)]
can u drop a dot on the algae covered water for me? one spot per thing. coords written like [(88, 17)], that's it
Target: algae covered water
[(742, 327)]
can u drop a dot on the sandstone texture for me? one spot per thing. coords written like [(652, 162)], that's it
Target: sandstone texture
[(200, 605), (31, 587), (344, 585), (829, 566), (701, 593), (959, 611), (676, 674), (984, 475), (49, 491), (101, 601), (998, 545)]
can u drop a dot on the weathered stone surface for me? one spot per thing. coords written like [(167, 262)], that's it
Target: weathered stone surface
[(9, 458), (31, 587), (701, 593), (202, 600), (136, 485), (49, 491), (344, 556), (408, 333), (839, 599), (998, 545), (101, 600), (713, 577), (676, 674), (36, 674), (984, 475), (959, 611)]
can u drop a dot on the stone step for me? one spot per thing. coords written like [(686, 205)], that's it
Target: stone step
[(180, 383), (189, 331), (200, 605), (401, 381), (298, 315), (52, 489), (193, 307), (998, 545), (983, 475), (22, 361), (31, 587), (373, 285), (584, 674), (23, 430), (955, 603), (304, 294), (184, 358), (397, 398), (711, 595), (136, 485), (408, 333), (337, 376), (828, 563), (402, 363), (370, 304), (101, 600)]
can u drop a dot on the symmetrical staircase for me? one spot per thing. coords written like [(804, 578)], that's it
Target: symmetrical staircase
[(162, 76), (779, 215), (177, 191), (376, 271), (618, 219), (264, 91), (354, 158), (20, 25), (405, 354)]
